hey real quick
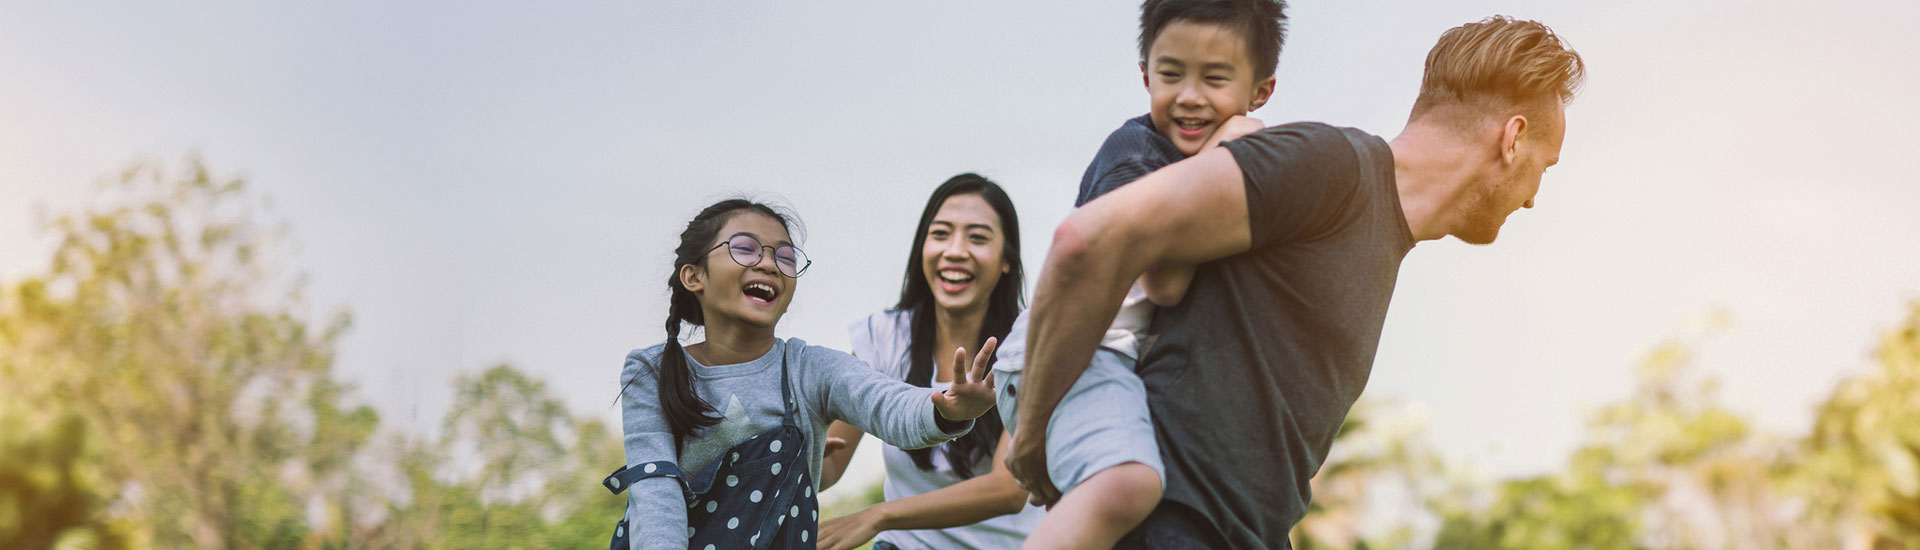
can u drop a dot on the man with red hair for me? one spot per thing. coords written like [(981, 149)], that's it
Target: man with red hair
[(1296, 233)]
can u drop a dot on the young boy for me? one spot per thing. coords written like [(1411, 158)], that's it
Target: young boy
[(1205, 64)]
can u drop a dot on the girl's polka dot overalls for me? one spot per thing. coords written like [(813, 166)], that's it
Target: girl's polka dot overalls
[(755, 495)]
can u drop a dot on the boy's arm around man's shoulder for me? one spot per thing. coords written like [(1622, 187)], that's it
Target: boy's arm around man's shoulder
[(1192, 211), (1189, 212), (1166, 284)]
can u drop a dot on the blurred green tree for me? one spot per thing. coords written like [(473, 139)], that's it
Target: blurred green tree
[(1667, 467), (49, 492), (162, 328), (161, 386), (1378, 458), (535, 476), (1858, 472)]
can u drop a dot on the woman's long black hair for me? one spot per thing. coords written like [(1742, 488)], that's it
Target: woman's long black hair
[(1003, 305), (687, 413)]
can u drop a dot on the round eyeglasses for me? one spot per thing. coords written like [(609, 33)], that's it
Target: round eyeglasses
[(746, 251)]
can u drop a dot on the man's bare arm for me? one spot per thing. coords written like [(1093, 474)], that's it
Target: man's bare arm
[(1191, 211)]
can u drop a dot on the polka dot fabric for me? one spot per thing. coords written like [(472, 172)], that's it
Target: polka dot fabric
[(738, 502)]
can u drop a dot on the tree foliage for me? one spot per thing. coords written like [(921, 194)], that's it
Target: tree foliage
[(159, 327), (164, 387), (1669, 467)]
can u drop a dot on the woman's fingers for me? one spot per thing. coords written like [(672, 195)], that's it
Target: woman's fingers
[(973, 369), (983, 361), (960, 365), (972, 375)]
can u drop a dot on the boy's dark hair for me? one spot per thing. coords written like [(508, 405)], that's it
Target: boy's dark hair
[(1261, 23)]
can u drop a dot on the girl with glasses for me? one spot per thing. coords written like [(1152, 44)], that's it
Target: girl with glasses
[(724, 437), (962, 288)]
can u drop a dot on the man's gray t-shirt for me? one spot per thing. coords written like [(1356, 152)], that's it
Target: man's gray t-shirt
[(1255, 369)]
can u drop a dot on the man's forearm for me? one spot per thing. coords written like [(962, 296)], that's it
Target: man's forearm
[(1081, 287)]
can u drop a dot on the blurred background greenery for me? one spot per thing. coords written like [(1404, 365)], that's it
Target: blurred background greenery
[(162, 385)]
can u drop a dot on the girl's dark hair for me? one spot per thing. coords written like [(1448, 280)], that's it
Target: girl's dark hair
[(1003, 305), (687, 414)]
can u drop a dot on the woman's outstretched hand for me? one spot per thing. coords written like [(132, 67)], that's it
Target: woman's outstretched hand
[(972, 391)]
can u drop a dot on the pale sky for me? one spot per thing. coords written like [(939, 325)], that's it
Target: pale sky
[(485, 183)]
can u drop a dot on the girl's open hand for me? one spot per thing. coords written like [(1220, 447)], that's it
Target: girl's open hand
[(972, 391)]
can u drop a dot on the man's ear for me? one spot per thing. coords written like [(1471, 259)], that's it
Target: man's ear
[(1510, 133), (693, 278), (1143, 75), (1261, 93)]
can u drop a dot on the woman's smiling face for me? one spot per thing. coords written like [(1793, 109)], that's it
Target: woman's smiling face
[(962, 257)]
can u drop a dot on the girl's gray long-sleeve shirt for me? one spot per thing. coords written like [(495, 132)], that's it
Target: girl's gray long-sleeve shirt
[(829, 385)]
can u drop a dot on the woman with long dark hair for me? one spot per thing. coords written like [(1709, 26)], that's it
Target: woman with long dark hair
[(963, 285)]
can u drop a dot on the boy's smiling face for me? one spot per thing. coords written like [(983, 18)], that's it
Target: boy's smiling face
[(1198, 75)]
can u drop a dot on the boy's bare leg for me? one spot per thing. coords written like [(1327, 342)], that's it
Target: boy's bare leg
[(1096, 513)]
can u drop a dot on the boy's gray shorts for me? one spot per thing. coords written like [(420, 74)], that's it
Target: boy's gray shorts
[(1102, 422)]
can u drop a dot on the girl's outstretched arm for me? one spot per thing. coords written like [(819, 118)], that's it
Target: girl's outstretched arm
[(901, 414)]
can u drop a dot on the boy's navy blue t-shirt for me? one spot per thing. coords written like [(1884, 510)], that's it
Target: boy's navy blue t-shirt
[(1132, 151)]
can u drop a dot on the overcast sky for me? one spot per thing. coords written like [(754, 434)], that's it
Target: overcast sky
[(482, 183)]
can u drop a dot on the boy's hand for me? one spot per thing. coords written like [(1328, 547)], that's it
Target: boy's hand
[(1167, 285), (972, 391), (1233, 128)]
